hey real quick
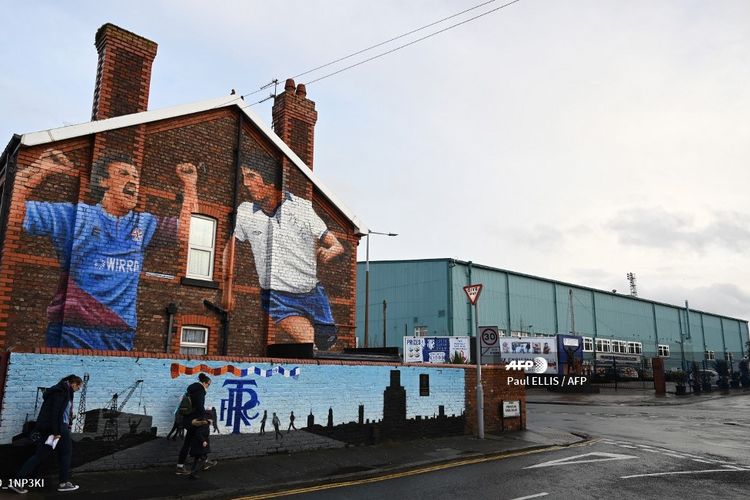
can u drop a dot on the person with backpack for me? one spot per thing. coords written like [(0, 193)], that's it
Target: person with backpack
[(192, 407), (53, 426)]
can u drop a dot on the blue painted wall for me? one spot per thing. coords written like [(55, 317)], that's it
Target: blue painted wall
[(316, 388)]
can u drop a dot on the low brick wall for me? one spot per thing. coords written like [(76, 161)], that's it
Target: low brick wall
[(496, 389)]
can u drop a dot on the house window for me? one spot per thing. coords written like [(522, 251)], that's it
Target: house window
[(710, 355), (202, 247), (663, 351), (728, 357), (635, 348), (194, 340), (424, 384), (588, 344), (603, 345)]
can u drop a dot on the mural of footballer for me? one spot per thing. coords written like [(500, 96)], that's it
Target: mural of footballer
[(288, 239), (100, 248)]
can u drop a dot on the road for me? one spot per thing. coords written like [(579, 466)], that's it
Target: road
[(700, 450)]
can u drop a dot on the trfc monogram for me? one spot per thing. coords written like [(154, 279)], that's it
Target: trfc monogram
[(234, 409)]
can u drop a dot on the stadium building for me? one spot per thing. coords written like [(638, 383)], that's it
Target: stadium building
[(426, 298)]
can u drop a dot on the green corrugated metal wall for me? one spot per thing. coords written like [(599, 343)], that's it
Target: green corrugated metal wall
[(430, 293)]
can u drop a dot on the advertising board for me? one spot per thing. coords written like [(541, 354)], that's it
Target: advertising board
[(436, 349)]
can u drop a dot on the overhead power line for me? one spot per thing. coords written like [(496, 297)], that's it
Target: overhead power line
[(392, 39), (413, 42), (382, 54)]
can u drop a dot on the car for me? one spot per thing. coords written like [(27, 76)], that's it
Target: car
[(709, 376), (627, 373)]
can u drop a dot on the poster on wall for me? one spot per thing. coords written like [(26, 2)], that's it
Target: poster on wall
[(436, 349), (529, 348)]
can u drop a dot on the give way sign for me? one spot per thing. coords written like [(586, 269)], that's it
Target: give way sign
[(473, 291)]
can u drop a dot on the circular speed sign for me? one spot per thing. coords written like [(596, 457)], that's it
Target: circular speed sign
[(489, 336)]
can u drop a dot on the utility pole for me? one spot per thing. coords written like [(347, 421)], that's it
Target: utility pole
[(473, 291)]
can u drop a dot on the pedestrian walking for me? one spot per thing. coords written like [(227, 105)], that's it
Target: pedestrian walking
[(263, 422), (276, 423), (177, 427), (214, 419), (193, 409), (200, 446), (291, 423), (53, 424)]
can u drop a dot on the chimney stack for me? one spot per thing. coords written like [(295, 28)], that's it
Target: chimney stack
[(294, 118), (123, 75)]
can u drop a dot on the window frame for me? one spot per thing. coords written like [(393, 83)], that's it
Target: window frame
[(619, 347), (709, 355), (635, 347), (663, 350), (193, 345), (605, 343), (590, 342), (211, 250)]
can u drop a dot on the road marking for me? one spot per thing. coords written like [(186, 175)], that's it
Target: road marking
[(675, 455), (683, 472), (413, 472), (626, 446), (701, 461), (602, 457), (733, 467), (532, 496)]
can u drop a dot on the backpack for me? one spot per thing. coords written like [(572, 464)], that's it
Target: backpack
[(186, 406)]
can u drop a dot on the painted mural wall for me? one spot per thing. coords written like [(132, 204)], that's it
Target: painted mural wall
[(329, 395), (95, 251)]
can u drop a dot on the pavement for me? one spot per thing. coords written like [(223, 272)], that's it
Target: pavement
[(251, 464), (627, 394), (234, 477)]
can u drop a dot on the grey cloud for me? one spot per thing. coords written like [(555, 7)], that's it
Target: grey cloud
[(718, 298), (658, 228)]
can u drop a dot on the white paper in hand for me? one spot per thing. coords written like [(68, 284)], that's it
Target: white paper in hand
[(52, 441)]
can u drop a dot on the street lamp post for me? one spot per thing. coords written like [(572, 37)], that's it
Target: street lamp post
[(367, 282)]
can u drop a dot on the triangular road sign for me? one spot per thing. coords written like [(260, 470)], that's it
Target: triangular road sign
[(473, 291), (581, 459)]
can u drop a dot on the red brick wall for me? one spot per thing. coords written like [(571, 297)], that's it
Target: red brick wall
[(496, 389), (29, 269), (123, 72)]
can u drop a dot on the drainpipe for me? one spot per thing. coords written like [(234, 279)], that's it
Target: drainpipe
[(171, 311), (449, 312), (469, 304), (224, 317)]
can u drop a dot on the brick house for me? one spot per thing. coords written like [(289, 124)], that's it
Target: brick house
[(170, 231)]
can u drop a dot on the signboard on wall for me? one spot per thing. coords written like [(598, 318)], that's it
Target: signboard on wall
[(511, 409), (606, 358), (435, 349), (529, 348)]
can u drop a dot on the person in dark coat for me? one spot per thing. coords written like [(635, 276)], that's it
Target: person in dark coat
[(53, 424), (200, 446), (197, 394)]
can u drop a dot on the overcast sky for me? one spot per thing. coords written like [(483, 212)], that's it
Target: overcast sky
[(577, 140)]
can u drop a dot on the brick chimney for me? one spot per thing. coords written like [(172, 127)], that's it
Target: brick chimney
[(123, 76), (294, 118)]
